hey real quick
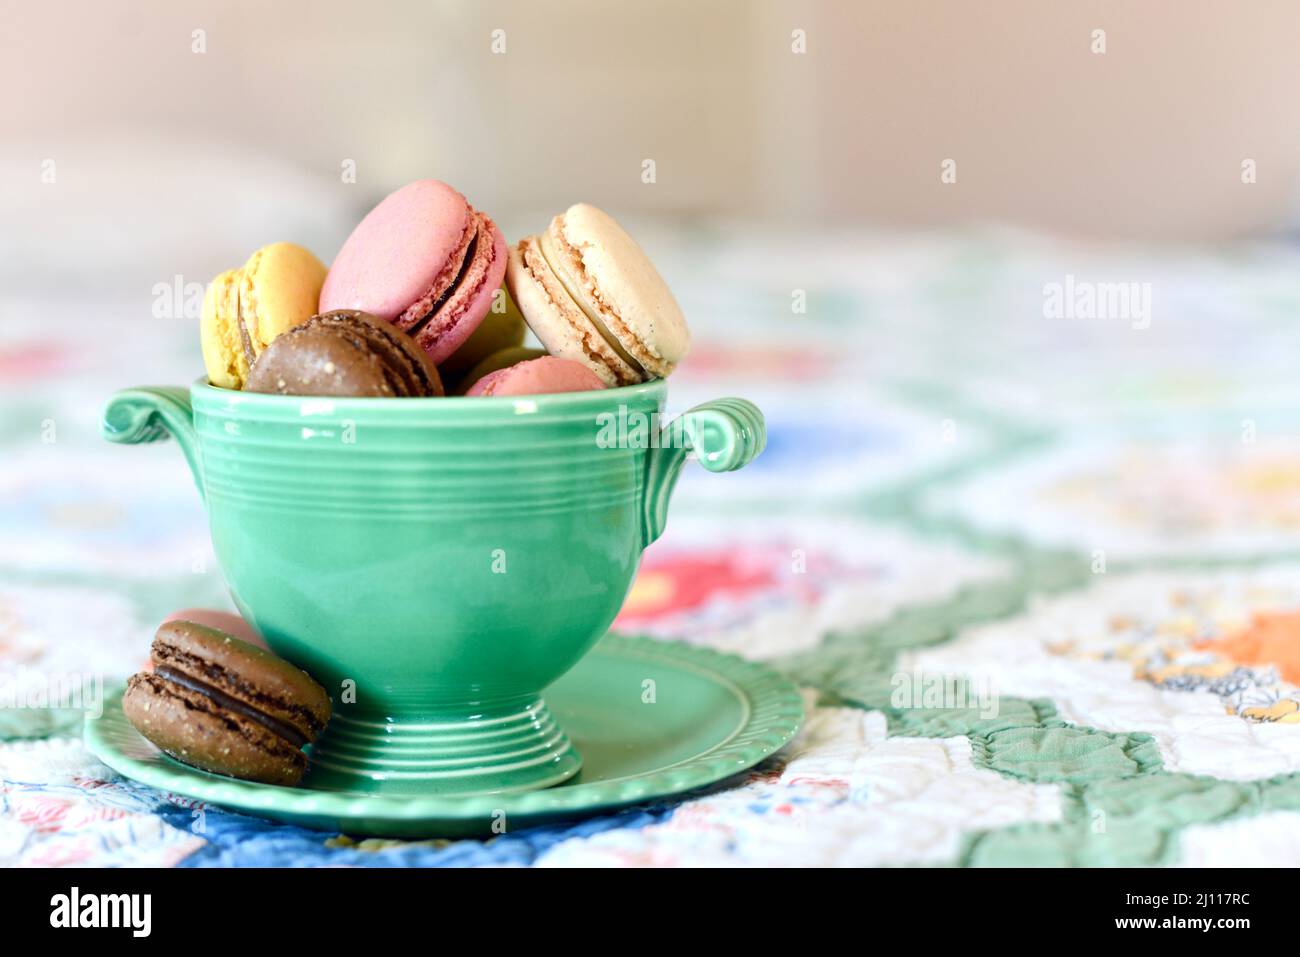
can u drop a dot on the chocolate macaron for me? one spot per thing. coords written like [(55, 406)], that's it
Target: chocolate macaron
[(345, 353), (223, 705)]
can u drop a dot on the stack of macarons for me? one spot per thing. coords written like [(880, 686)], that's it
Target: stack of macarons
[(426, 299)]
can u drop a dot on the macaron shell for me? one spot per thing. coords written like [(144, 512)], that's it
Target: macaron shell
[(279, 289), (319, 363), (622, 281), (557, 321), (463, 311), (498, 360), (226, 621), (196, 731), (538, 377), (398, 251), (345, 353), (223, 355)]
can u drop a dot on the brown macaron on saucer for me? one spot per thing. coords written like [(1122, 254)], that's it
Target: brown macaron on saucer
[(220, 704)]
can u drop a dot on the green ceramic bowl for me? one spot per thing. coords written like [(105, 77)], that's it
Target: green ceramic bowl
[(435, 563)]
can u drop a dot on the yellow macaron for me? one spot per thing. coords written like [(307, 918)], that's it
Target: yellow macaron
[(245, 309), (499, 330)]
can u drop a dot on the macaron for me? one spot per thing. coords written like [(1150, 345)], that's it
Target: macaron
[(538, 377), (502, 328), (345, 353), (220, 704), (590, 294), (423, 259), (245, 309), (497, 360)]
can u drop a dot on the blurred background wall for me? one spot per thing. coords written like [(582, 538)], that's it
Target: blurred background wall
[(163, 154)]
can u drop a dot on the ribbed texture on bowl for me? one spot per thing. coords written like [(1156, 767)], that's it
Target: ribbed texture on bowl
[(521, 748)]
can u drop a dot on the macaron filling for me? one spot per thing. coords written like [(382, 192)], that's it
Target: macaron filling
[(221, 699), (560, 266)]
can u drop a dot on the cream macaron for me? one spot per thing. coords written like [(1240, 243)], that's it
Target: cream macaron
[(590, 294)]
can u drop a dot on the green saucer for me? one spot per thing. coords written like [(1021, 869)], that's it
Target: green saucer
[(650, 718)]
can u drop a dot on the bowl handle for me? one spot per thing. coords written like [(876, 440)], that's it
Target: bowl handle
[(150, 414), (725, 435)]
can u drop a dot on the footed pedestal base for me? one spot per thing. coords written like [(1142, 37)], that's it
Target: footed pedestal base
[(513, 750)]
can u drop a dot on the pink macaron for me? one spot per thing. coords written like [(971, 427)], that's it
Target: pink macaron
[(538, 377), (425, 260)]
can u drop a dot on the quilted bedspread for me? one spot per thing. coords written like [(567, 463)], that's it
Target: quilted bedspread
[(1035, 566)]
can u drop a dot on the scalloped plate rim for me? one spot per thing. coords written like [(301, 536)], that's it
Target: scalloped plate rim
[(774, 716)]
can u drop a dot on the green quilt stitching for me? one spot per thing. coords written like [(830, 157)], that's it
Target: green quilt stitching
[(1120, 807)]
